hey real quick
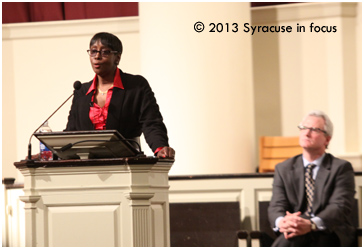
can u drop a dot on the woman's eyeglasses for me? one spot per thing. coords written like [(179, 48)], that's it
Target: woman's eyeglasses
[(104, 53)]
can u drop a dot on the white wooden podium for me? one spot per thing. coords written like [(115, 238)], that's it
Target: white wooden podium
[(96, 203)]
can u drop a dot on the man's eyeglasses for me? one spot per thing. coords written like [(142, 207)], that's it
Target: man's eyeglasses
[(104, 53), (312, 129)]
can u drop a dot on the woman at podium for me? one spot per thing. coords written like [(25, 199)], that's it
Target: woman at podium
[(115, 100)]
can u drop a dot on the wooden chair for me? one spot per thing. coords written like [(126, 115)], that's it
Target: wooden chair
[(273, 150)]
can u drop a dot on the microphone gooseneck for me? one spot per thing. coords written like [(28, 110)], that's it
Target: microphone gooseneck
[(77, 85)]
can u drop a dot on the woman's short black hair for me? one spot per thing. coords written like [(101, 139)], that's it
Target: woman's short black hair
[(108, 40)]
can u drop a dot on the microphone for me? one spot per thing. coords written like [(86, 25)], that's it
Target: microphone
[(77, 85)]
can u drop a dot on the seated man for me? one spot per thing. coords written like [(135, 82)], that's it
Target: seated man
[(313, 193)]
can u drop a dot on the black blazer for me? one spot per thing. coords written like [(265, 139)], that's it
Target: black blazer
[(132, 110), (333, 194)]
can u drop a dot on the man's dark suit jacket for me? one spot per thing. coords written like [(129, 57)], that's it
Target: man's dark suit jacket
[(132, 110), (333, 196)]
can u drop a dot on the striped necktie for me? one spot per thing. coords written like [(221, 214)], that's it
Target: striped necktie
[(310, 186)]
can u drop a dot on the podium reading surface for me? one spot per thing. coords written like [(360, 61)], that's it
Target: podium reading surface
[(88, 144)]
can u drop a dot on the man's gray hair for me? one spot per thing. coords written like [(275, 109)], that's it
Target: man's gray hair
[(329, 127)]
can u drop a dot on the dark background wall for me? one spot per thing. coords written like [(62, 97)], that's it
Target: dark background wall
[(16, 12)]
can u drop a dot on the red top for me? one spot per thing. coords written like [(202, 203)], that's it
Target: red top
[(97, 114)]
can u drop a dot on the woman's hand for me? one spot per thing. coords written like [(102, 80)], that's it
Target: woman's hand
[(166, 152)]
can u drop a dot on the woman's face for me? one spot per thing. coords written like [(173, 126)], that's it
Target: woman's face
[(104, 65)]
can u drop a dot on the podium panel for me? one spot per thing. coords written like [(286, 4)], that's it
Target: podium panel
[(75, 226), (96, 203)]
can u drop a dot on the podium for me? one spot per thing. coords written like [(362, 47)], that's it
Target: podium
[(118, 202)]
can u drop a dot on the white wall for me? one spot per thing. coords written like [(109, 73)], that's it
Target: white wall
[(40, 63), (300, 71), (207, 107), (203, 82)]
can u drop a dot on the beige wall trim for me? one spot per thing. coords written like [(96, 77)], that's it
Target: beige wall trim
[(69, 28), (247, 191), (302, 11)]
